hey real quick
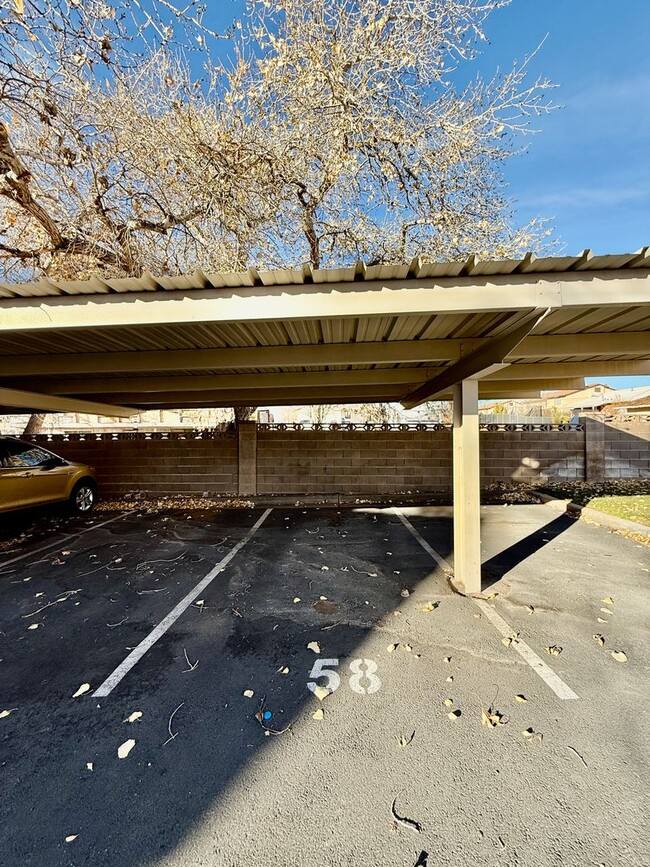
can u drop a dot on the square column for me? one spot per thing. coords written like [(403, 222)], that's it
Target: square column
[(467, 499)]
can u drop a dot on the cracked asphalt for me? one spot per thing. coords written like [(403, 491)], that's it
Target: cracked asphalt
[(215, 786)]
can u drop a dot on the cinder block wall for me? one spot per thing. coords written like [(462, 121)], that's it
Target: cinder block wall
[(627, 450), (312, 462), (158, 466), (524, 455), (352, 462)]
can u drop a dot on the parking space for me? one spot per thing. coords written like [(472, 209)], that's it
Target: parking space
[(208, 606)]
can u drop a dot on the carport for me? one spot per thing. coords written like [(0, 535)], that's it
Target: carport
[(463, 330)]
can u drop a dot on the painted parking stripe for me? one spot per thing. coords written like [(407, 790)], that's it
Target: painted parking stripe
[(157, 632), (430, 551), (550, 678), (538, 665), (58, 541)]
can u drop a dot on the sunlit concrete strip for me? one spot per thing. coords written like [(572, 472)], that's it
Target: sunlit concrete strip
[(550, 678), (58, 541), (538, 665), (138, 652)]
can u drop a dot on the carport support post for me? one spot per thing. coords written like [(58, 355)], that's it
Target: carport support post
[(467, 522)]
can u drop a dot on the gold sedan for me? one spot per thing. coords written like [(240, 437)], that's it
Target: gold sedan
[(33, 476)]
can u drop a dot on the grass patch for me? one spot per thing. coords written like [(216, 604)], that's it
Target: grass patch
[(632, 508)]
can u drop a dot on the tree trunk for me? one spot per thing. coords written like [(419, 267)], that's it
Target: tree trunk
[(35, 423), (243, 413)]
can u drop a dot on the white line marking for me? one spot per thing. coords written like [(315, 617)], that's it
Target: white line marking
[(430, 551), (158, 631), (58, 541), (538, 665), (550, 678)]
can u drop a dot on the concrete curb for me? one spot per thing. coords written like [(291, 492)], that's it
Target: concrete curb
[(611, 522)]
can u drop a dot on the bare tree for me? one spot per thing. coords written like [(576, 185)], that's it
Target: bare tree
[(334, 132), (375, 153)]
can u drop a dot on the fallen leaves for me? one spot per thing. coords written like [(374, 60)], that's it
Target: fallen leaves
[(71, 837), (321, 692), (608, 600), (249, 693), (391, 648), (553, 650), (431, 606), (136, 715), (283, 669), (598, 638), (83, 689), (448, 702), (521, 698), (5, 713), (296, 599), (125, 748), (619, 655), (90, 766), (491, 718), (531, 735), (314, 645), (454, 714), (404, 741), (319, 714)]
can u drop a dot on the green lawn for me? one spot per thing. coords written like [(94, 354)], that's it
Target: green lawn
[(634, 508)]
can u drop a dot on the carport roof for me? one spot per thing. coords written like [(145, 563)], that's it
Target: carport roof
[(404, 332)]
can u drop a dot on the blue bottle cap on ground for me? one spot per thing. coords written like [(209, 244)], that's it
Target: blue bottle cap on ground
[(267, 714)]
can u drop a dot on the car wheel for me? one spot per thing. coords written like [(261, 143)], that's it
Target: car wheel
[(82, 498)]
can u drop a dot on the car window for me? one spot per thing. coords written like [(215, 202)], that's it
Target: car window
[(14, 454)]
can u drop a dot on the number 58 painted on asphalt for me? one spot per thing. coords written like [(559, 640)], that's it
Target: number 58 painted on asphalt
[(362, 669)]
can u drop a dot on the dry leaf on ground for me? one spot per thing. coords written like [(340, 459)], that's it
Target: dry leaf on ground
[(391, 648), (454, 714), (314, 645), (83, 689), (553, 650), (619, 655), (321, 693), (598, 638), (125, 748), (319, 714), (521, 698), (608, 600), (249, 693), (431, 606), (491, 718), (531, 735), (71, 837)]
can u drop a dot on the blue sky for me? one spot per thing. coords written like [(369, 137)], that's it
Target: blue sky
[(588, 169)]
